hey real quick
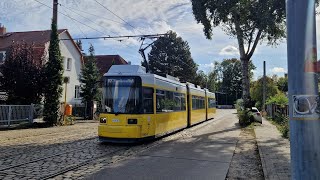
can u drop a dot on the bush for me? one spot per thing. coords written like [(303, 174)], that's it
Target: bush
[(258, 105), (239, 105), (244, 117), (278, 99), (283, 124)]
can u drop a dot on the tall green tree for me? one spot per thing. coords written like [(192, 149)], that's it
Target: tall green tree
[(22, 71), (257, 90), (53, 79), (201, 79), (249, 21), (282, 84), (229, 77), (212, 81), (171, 55), (88, 78)]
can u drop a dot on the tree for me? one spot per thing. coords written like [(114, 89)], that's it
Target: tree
[(89, 77), (23, 74), (278, 99), (212, 81), (201, 79), (53, 79), (79, 44), (247, 20), (282, 84), (171, 55), (257, 90), (229, 78)]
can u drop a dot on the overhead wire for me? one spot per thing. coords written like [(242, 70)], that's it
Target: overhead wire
[(85, 18), (107, 37), (71, 18), (74, 9), (121, 40), (70, 9), (74, 22), (117, 16)]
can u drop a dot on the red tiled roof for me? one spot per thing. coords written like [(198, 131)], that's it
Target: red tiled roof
[(39, 38), (104, 62)]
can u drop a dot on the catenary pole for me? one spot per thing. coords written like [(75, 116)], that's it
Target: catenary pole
[(55, 12), (264, 87), (303, 90)]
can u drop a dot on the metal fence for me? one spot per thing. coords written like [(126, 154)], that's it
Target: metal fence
[(16, 114), (273, 109)]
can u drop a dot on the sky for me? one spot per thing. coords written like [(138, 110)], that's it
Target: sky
[(87, 18)]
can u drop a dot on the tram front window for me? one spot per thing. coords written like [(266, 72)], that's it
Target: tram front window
[(122, 95)]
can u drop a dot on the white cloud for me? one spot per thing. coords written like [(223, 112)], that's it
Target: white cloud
[(229, 51), (206, 67), (278, 70), (210, 65)]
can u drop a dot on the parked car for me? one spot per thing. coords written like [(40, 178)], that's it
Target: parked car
[(256, 115)]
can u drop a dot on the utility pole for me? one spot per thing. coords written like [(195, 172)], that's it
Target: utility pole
[(303, 90), (55, 12), (264, 87)]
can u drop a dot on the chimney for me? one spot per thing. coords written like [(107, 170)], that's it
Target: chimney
[(3, 30)]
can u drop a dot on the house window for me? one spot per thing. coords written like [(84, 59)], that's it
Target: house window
[(69, 60), (2, 56), (77, 92)]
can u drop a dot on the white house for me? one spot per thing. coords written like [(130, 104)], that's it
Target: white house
[(72, 56)]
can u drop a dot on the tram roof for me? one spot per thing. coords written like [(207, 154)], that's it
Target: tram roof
[(118, 70), (136, 70)]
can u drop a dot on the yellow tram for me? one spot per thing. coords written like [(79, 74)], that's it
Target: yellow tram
[(138, 105)]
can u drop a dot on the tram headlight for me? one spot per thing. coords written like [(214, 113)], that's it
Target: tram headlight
[(132, 121), (103, 120)]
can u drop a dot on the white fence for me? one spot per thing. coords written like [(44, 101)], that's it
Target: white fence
[(16, 114)]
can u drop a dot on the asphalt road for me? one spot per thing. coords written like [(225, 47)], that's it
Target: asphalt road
[(201, 152)]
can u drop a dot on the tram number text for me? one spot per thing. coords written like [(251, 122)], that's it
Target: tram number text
[(115, 120)]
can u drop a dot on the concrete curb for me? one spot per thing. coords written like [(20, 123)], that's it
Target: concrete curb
[(263, 161)]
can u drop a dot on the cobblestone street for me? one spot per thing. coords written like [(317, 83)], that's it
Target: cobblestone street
[(69, 152)]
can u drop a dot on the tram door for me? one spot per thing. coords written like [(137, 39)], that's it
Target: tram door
[(148, 110), (145, 126)]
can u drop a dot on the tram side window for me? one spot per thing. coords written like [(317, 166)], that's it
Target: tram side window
[(198, 102), (147, 100), (202, 103), (168, 101), (183, 102), (195, 102), (212, 103), (160, 99)]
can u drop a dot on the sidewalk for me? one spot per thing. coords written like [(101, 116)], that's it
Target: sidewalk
[(274, 151)]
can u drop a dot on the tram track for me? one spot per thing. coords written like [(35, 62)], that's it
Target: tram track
[(106, 159), (82, 164), (79, 155), (69, 160), (134, 149)]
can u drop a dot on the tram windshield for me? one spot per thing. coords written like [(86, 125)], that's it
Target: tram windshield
[(122, 95)]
